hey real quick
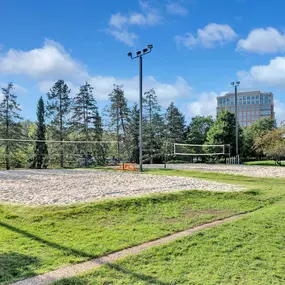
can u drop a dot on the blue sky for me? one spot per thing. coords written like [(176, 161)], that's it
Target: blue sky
[(200, 46)]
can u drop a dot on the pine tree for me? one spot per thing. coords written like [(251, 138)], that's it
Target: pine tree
[(175, 124), (58, 110), (154, 125), (85, 119), (41, 150), (10, 128), (133, 133), (118, 113)]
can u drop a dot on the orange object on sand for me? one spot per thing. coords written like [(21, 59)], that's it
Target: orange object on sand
[(127, 166)]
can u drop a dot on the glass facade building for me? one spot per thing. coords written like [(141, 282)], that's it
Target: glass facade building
[(252, 106)]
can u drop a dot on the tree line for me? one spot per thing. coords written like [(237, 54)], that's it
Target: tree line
[(61, 118)]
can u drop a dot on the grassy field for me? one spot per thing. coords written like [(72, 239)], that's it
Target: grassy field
[(248, 251), (38, 239), (264, 163)]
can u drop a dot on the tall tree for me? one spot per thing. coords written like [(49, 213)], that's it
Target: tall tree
[(133, 133), (272, 144), (257, 130), (154, 125), (175, 122), (118, 113), (223, 131), (41, 151), (58, 109), (10, 128), (85, 111), (198, 129), (86, 120)]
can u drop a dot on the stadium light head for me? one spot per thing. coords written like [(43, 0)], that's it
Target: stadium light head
[(130, 54), (150, 47), (138, 53), (232, 83), (145, 50), (238, 82)]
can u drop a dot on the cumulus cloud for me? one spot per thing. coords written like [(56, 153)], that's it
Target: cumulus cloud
[(267, 40), (119, 24), (166, 92), (272, 74), (123, 36), (279, 108), (117, 20), (176, 9), (204, 105), (49, 61), (210, 36)]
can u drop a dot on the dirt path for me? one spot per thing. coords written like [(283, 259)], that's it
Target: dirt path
[(73, 270)]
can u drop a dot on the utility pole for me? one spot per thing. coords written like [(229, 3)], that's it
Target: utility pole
[(140, 54)]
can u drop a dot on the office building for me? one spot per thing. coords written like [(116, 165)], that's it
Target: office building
[(252, 106)]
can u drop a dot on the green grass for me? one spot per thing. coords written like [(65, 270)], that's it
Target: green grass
[(264, 163), (38, 239), (247, 251)]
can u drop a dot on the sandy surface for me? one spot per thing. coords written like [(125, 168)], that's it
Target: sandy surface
[(45, 187), (247, 170)]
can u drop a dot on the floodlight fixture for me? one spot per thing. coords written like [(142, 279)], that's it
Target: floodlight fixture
[(145, 50), (130, 54), (139, 53), (150, 46)]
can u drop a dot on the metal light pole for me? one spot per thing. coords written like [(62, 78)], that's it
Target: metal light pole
[(236, 84), (140, 54)]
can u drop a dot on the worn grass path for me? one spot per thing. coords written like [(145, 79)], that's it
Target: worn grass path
[(73, 270)]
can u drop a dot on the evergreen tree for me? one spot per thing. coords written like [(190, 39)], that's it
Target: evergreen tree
[(223, 132), (10, 127), (86, 120), (41, 150), (58, 109), (118, 113), (133, 133), (85, 111), (175, 124), (154, 129)]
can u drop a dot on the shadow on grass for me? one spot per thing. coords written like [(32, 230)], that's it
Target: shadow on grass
[(46, 242), (14, 265), (146, 278)]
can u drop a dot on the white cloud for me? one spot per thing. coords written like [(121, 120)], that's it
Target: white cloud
[(119, 24), (188, 40), (279, 108), (117, 20), (50, 61), (205, 105), (267, 40), (166, 92), (210, 36), (123, 36), (176, 9), (272, 74)]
